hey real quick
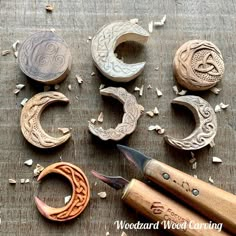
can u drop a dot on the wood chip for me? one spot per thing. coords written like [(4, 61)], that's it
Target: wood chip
[(149, 86), (102, 195), (100, 117), (157, 68), (67, 199), (215, 90), (150, 27), (12, 181), (223, 106), (56, 86), (79, 79), (69, 87), (38, 169), (93, 73), (136, 89), (64, 130), (29, 162), (102, 86), (161, 131), (211, 180), (90, 37), (24, 101), (134, 21), (154, 127), (150, 113), (123, 234), (217, 108), (93, 121), (53, 30), (5, 52), (141, 91), (175, 89), (16, 54), (107, 233), (27, 181), (192, 154), (182, 92), (194, 166), (49, 7), (159, 93), (155, 111), (192, 160), (15, 45), (161, 22), (212, 144), (20, 86), (22, 181), (216, 160)]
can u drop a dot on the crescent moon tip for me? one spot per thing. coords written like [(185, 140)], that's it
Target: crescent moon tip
[(41, 206)]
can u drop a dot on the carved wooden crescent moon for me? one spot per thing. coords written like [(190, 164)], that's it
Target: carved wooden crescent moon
[(80, 193), (30, 120), (104, 44), (206, 124), (132, 112)]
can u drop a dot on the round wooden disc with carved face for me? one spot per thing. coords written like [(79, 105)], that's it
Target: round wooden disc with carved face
[(80, 192), (30, 120), (198, 65), (132, 112), (45, 57)]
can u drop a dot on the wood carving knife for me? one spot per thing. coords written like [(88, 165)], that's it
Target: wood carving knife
[(213, 202), (160, 209)]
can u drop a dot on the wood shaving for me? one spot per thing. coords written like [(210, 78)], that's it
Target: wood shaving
[(223, 106), (18, 88), (24, 101), (149, 86), (15, 45), (192, 160), (150, 27), (211, 180), (38, 169), (194, 166), (90, 37), (69, 87), (136, 89), (53, 30), (12, 181), (93, 121), (123, 234), (157, 68), (150, 113), (93, 73), (64, 130), (22, 181), (49, 7), (216, 160), (107, 233), (154, 127), (195, 176), (16, 54), (192, 154), (182, 92), (215, 90), (217, 108), (159, 93), (100, 117), (79, 79), (95, 183), (87, 41), (46, 88), (56, 86), (5, 52), (212, 144), (134, 21), (29, 162), (102, 195), (175, 89), (16, 91), (102, 86), (161, 22), (161, 131), (155, 111), (67, 199), (27, 181), (141, 91)]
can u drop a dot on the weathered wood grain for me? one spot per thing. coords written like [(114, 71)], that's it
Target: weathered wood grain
[(74, 21)]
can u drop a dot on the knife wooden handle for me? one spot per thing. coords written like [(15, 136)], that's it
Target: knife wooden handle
[(164, 210), (211, 201)]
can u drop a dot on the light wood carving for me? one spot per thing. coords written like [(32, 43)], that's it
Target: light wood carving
[(80, 192), (206, 124), (104, 44), (132, 112), (45, 58), (198, 65), (30, 120)]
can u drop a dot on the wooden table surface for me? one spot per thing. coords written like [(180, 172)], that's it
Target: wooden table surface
[(75, 21)]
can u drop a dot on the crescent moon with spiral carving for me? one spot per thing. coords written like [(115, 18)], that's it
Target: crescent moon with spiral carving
[(30, 120), (80, 192), (104, 44), (206, 124)]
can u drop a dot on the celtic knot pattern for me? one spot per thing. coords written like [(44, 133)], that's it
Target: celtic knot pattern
[(132, 112)]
